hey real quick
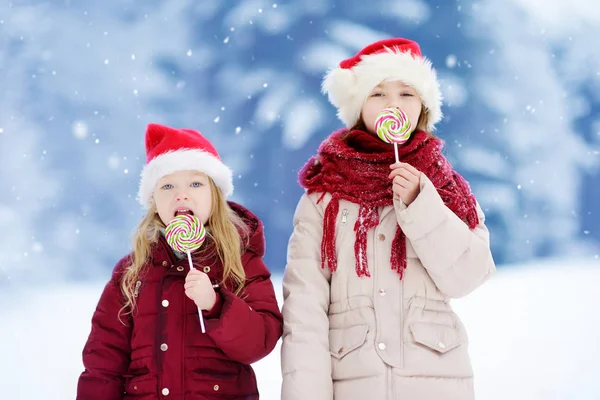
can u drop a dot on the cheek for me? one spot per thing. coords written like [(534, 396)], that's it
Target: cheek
[(162, 202), (163, 213), (372, 113), (204, 205), (204, 214), (160, 198), (370, 109), (369, 117), (414, 114)]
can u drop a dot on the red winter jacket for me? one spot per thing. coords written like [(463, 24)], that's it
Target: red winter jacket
[(161, 352)]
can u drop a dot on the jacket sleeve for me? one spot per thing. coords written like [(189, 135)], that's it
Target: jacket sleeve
[(246, 328), (457, 258), (305, 357), (106, 354)]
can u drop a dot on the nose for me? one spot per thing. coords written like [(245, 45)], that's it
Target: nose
[(394, 101), (181, 196)]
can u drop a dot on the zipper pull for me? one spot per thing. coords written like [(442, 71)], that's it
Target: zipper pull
[(344, 216), (137, 288)]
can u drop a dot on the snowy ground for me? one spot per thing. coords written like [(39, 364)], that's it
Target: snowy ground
[(534, 333)]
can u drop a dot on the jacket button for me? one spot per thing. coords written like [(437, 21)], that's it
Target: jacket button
[(216, 388), (164, 347), (381, 346), (164, 263), (180, 268), (341, 350), (382, 292), (442, 345), (165, 303), (165, 392), (206, 270), (381, 237)]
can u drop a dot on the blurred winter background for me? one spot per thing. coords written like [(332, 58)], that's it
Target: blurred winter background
[(80, 80)]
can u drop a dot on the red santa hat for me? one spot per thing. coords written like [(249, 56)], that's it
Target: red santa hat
[(349, 85), (169, 150)]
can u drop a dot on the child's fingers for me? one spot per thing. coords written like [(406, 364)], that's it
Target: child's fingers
[(407, 166), (189, 294), (193, 278), (412, 169), (401, 181), (195, 274), (401, 172), (408, 173)]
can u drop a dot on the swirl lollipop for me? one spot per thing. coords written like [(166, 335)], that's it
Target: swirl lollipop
[(393, 126), (185, 233)]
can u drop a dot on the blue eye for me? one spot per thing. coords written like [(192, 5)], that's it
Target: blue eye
[(196, 184), (167, 186)]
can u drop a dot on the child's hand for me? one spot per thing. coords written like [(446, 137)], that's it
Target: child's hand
[(406, 182), (199, 288)]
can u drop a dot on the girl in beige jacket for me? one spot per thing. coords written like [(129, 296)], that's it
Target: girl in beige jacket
[(380, 247)]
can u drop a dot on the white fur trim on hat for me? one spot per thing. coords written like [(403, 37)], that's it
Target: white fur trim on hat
[(349, 88), (183, 160)]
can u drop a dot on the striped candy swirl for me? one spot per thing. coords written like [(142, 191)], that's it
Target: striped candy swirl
[(185, 233), (392, 125)]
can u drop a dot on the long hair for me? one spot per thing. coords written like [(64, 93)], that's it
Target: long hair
[(224, 227)]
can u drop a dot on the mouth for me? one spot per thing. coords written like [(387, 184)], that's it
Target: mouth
[(183, 211)]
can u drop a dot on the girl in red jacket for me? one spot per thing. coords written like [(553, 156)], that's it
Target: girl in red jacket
[(146, 340)]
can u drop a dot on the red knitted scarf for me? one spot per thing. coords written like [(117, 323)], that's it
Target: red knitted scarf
[(354, 166)]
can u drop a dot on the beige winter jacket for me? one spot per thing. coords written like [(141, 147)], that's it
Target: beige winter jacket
[(381, 338)]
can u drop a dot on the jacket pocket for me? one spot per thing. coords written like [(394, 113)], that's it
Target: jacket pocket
[(437, 350), (216, 378), (141, 385), (343, 341), (138, 379), (351, 355), (439, 338)]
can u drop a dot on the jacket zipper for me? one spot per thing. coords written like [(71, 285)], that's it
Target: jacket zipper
[(137, 288), (344, 216)]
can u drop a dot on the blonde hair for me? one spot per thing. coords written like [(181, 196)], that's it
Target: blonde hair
[(224, 227)]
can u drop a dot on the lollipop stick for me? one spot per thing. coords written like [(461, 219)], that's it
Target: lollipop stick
[(199, 310), (190, 259), (396, 152)]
